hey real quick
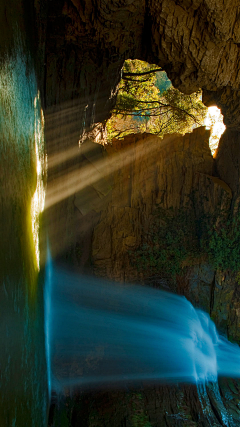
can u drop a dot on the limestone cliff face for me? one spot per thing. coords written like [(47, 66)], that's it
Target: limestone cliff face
[(151, 172), (227, 292), (228, 160)]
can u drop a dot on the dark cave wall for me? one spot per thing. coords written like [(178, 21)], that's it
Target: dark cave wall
[(82, 46)]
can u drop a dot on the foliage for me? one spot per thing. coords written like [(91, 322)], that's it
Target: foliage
[(139, 418), (238, 277), (177, 235), (222, 241), (170, 240), (146, 101)]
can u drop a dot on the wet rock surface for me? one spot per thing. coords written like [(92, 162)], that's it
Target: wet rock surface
[(155, 406)]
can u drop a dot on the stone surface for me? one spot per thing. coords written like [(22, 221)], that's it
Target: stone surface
[(150, 172), (156, 406), (228, 160), (201, 285), (225, 304)]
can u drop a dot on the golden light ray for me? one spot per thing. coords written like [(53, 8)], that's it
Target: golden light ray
[(76, 180)]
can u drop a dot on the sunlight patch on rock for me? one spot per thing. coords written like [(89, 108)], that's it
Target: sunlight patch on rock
[(214, 122)]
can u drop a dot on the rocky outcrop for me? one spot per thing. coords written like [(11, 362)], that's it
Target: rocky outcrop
[(226, 310), (154, 406), (151, 172), (197, 42), (228, 160)]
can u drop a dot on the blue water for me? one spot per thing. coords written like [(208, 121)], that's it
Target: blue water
[(47, 316), (23, 394), (107, 333)]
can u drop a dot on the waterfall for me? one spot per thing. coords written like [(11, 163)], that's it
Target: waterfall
[(103, 334)]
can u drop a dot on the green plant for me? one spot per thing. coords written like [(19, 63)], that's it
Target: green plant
[(140, 420), (238, 277), (139, 417), (221, 240), (147, 102), (176, 235), (171, 238)]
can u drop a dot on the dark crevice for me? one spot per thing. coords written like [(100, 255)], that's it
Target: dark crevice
[(212, 288), (214, 410)]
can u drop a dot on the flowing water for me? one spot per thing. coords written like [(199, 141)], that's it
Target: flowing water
[(23, 379), (102, 333)]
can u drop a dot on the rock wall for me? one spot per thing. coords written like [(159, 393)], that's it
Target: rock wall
[(145, 171), (227, 294), (156, 406), (151, 172), (197, 42)]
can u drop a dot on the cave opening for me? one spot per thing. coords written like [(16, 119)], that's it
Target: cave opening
[(146, 102)]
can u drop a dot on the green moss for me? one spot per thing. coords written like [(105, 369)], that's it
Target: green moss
[(238, 277), (140, 420), (220, 240), (171, 238), (177, 235), (139, 417)]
